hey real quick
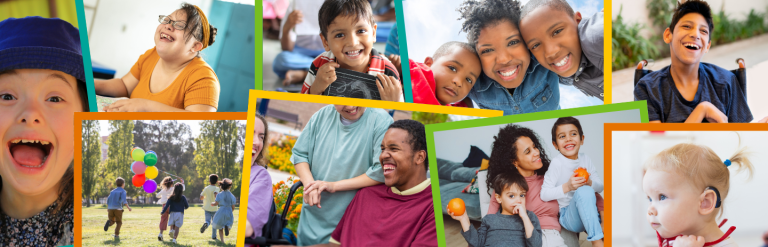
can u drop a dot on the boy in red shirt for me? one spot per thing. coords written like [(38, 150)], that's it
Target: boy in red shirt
[(446, 77)]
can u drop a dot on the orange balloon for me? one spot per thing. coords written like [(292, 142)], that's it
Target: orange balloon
[(456, 205), (581, 172)]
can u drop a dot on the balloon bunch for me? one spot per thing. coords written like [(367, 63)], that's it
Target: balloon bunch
[(144, 168)]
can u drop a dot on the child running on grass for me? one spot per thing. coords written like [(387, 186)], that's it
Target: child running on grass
[(166, 189), (224, 216), (115, 202), (176, 205), (208, 195)]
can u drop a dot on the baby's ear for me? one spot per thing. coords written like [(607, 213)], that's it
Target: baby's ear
[(428, 61), (707, 202)]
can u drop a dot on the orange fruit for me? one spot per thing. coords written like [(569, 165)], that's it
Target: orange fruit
[(581, 172), (456, 205)]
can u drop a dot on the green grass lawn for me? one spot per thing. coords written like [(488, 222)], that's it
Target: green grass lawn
[(141, 226)]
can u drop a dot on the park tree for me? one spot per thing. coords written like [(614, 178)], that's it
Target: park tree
[(220, 150), (119, 162), (173, 143), (91, 157)]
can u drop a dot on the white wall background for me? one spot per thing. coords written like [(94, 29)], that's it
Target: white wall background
[(636, 12), (430, 23), (454, 145), (120, 31), (745, 206)]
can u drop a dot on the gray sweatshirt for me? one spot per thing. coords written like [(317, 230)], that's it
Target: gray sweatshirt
[(504, 230)]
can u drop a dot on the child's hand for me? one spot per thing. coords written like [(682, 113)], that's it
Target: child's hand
[(520, 210), (294, 18), (128, 105), (389, 88), (326, 75), (764, 120), (706, 110), (689, 241), (395, 59), (463, 219), (575, 182)]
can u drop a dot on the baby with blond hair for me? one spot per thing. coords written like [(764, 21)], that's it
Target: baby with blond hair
[(687, 185)]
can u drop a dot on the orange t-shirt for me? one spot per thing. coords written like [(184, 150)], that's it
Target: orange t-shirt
[(196, 84)]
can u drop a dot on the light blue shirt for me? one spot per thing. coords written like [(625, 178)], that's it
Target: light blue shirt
[(116, 199)]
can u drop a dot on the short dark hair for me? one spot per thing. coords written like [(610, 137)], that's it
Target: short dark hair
[(331, 9), (213, 178), (447, 48), (416, 134), (478, 14), (560, 5), (504, 152), (82, 90), (225, 184), (692, 6), (506, 180), (564, 121), (119, 181)]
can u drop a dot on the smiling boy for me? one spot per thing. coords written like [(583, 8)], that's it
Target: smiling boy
[(348, 32), (447, 76), (565, 43), (688, 90)]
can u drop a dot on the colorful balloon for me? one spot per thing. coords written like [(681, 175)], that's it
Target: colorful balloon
[(150, 158), (131, 153), (150, 172), (138, 167), (138, 154), (138, 180), (150, 186)]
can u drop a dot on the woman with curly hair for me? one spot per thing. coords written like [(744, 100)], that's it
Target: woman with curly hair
[(513, 80)]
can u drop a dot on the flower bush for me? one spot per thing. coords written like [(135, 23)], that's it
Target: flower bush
[(280, 154), (280, 192)]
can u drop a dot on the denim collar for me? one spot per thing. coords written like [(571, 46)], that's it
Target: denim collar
[(484, 85)]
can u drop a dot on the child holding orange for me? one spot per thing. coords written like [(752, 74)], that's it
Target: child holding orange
[(578, 210)]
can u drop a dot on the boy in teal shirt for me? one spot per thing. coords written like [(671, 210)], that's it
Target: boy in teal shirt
[(336, 154)]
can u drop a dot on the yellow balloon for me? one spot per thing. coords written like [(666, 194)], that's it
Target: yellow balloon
[(151, 172)]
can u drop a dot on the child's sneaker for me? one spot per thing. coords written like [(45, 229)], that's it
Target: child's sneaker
[(205, 226), (173, 240), (226, 231), (106, 226), (117, 238), (160, 237)]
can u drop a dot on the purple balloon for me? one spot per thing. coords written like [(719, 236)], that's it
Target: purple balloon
[(138, 167), (150, 186)]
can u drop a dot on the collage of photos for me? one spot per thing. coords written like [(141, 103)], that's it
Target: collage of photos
[(423, 123)]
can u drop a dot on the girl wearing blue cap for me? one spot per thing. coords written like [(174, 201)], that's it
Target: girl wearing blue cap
[(171, 76), (42, 84)]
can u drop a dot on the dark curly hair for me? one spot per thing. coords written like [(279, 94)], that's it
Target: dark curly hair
[(479, 14), (692, 6), (560, 5), (418, 138), (504, 153)]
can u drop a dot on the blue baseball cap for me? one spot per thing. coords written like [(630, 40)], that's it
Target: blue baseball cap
[(41, 43)]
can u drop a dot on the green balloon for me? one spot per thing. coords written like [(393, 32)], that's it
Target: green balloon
[(138, 154), (150, 158)]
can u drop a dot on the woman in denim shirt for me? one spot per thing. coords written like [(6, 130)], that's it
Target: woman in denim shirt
[(491, 27)]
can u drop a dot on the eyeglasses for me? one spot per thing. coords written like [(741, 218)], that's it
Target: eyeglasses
[(178, 25)]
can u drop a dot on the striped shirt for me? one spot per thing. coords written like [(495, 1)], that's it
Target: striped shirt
[(378, 64)]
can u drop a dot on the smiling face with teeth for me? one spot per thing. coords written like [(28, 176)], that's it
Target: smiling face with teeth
[(569, 140), (171, 43), (503, 54), (36, 129), (403, 167), (689, 41), (553, 38), (528, 155), (350, 39), (350, 112)]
